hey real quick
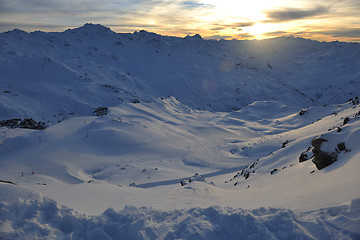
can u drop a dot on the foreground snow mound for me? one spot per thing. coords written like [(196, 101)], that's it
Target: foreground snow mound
[(41, 218)]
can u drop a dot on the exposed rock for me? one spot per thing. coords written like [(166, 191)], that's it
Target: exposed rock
[(341, 147), (13, 123), (302, 112), (316, 142), (303, 157), (354, 101), (196, 177), (101, 111), (323, 159), (273, 171), (28, 123), (246, 175), (284, 144), (194, 37)]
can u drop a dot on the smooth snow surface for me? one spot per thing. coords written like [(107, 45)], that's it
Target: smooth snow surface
[(199, 140)]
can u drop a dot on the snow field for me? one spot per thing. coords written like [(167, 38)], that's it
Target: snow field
[(44, 218), (195, 140)]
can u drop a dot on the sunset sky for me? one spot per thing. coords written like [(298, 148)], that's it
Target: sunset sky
[(324, 20)]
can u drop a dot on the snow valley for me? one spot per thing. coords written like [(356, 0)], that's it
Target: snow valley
[(140, 136)]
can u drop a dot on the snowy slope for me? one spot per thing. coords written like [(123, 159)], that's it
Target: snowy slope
[(190, 124), (91, 66)]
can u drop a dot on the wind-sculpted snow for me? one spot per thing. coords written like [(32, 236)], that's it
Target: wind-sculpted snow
[(42, 218)]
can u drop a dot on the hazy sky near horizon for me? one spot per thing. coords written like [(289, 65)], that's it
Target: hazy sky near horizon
[(326, 20)]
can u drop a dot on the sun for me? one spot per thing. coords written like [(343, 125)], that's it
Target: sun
[(244, 18), (249, 15), (258, 29)]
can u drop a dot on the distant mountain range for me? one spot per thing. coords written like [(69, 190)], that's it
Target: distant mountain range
[(80, 69)]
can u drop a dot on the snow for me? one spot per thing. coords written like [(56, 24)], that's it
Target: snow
[(201, 139), (44, 218)]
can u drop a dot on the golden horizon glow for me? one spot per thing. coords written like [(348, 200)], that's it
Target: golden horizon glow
[(324, 20)]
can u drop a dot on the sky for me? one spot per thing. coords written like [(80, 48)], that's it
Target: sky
[(323, 20)]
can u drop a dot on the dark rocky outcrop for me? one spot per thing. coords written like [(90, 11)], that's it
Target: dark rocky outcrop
[(101, 111), (12, 123), (27, 123), (196, 177), (323, 159), (341, 147), (30, 123), (302, 112), (304, 156), (354, 101), (284, 144)]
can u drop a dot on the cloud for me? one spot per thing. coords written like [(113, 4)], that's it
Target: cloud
[(243, 36), (242, 24), (220, 28), (13, 25), (80, 7), (70, 13), (276, 33), (237, 26), (182, 17), (354, 4), (290, 14), (194, 5), (218, 37), (322, 34), (341, 32)]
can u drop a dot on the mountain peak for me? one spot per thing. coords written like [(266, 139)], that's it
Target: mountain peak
[(95, 28), (16, 31), (194, 37), (143, 33), (92, 26)]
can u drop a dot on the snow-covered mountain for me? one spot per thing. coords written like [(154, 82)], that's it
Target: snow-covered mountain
[(93, 121), (79, 69)]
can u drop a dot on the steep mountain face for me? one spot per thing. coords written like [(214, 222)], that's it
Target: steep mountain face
[(80, 69)]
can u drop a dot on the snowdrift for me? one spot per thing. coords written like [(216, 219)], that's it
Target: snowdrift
[(44, 218)]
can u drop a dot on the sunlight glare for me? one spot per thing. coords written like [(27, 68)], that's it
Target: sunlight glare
[(245, 9), (260, 28), (233, 12)]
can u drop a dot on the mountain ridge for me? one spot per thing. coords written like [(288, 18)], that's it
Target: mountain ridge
[(209, 75)]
